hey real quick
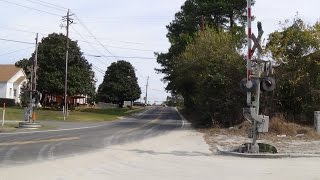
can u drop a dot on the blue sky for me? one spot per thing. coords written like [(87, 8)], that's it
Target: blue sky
[(126, 28)]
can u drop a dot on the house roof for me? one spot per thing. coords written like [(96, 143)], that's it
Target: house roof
[(7, 71)]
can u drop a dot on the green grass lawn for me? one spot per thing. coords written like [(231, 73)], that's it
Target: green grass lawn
[(87, 114)]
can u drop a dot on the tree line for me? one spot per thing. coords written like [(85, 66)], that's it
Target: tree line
[(204, 65), (119, 84)]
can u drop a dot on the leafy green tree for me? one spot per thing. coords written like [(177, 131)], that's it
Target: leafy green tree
[(296, 47), (51, 72), (119, 84), (208, 74), (218, 14), (24, 64)]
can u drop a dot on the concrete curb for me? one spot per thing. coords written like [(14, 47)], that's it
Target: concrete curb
[(12, 121), (29, 125), (221, 151)]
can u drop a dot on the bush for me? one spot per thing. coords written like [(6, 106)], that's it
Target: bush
[(8, 102)]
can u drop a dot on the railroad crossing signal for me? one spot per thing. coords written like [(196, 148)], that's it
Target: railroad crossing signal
[(260, 123), (256, 44)]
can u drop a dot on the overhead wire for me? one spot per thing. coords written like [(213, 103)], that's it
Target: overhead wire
[(46, 5), (54, 5), (60, 8), (124, 57), (95, 67), (84, 40), (121, 41), (125, 42), (11, 52), (19, 30), (35, 9), (50, 6), (91, 47), (16, 41), (85, 27), (117, 47)]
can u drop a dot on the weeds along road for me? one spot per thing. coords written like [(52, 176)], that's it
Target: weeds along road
[(23, 148)]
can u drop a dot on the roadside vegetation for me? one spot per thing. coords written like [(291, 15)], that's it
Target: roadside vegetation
[(206, 62)]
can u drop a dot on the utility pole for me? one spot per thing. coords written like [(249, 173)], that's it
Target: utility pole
[(69, 21), (36, 64), (30, 114), (146, 98), (33, 83), (35, 68)]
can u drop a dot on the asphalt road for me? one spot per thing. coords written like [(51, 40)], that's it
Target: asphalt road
[(27, 147)]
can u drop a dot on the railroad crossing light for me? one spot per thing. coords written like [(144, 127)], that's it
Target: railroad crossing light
[(248, 85), (268, 84)]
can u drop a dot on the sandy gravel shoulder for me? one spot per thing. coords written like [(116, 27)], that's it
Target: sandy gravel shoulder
[(177, 155), (140, 159)]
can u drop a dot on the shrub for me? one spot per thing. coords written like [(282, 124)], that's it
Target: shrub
[(8, 102)]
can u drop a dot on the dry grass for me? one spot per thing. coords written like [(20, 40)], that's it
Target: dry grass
[(279, 125)]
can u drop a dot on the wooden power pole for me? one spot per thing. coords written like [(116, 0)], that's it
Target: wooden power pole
[(146, 98), (69, 21)]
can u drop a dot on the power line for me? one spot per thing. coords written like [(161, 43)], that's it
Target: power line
[(84, 40), (46, 5), (89, 44), (83, 25), (121, 41), (117, 47), (54, 5), (16, 41), (126, 42), (35, 9), (15, 51), (157, 90), (125, 57), (97, 69), (126, 17), (19, 30)]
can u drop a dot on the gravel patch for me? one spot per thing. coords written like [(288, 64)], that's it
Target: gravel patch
[(229, 139)]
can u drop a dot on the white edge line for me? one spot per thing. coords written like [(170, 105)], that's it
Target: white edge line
[(54, 130), (182, 117)]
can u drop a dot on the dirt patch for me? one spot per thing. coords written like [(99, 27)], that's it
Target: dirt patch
[(286, 137), (6, 129)]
